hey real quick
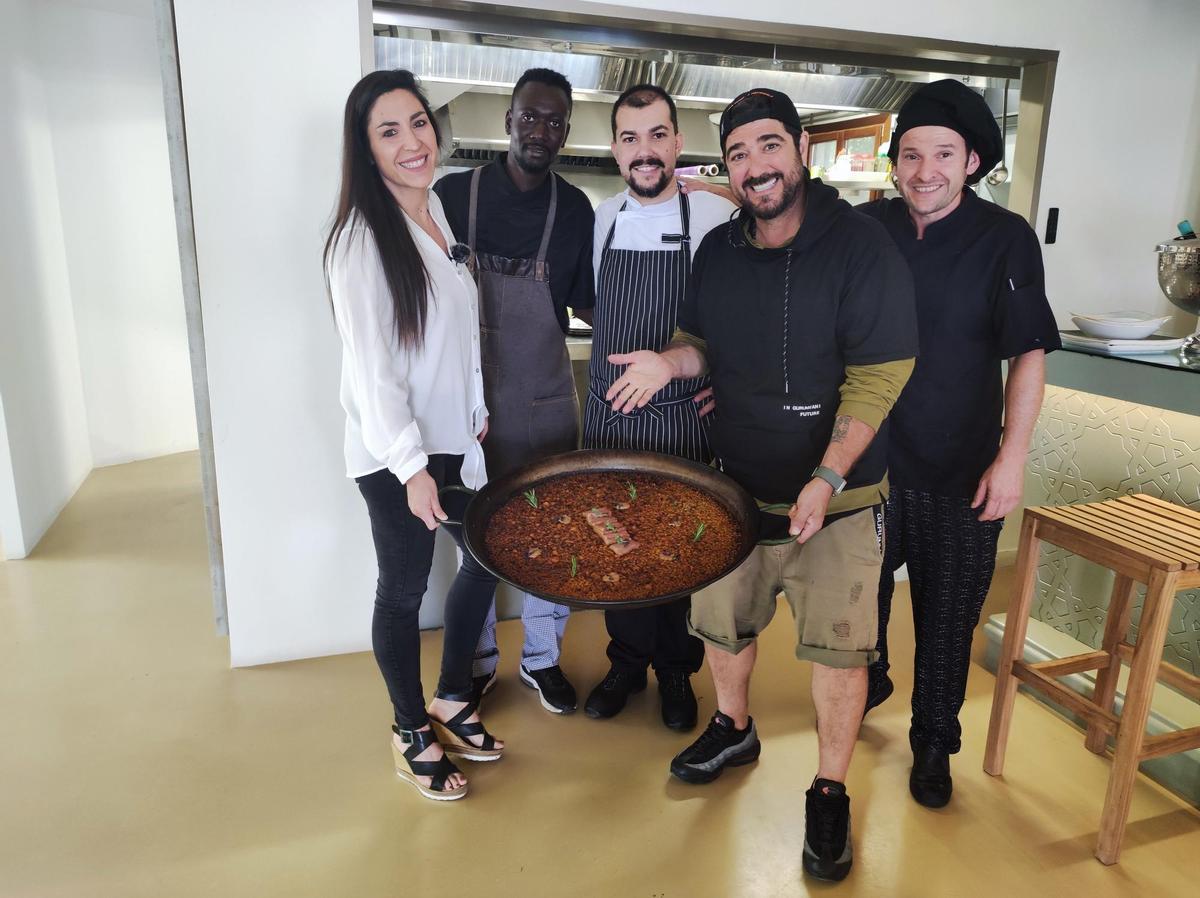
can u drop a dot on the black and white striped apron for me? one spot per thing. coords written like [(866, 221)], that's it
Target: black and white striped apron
[(638, 295)]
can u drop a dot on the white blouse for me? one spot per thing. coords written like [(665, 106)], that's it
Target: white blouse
[(404, 404)]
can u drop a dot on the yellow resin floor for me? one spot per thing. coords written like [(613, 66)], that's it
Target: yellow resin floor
[(135, 763)]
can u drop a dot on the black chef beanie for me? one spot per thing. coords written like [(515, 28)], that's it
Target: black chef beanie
[(759, 103), (951, 104)]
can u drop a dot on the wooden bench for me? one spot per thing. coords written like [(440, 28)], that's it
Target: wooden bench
[(1142, 540)]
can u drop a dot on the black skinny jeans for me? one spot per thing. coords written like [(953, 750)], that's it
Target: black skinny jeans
[(404, 549)]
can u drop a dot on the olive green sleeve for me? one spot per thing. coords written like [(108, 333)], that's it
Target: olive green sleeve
[(870, 391)]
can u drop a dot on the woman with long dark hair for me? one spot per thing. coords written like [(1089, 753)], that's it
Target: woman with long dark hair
[(407, 312)]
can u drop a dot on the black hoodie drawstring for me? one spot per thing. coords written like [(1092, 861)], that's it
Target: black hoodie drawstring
[(787, 301)]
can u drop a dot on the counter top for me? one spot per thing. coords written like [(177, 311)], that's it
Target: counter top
[(1171, 360), (579, 348), (1162, 380)]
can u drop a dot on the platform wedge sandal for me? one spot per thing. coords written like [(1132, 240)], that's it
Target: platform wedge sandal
[(408, 769), (455, 734)]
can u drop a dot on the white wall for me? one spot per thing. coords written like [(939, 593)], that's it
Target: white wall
[(41, 388), (263, 87), (103, 87)]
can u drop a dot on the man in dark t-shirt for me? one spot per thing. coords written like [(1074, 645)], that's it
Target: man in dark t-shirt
[(955, 470)]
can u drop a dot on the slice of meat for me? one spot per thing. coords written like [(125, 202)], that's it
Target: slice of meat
[(598, 515), (611, 531), (625, 547)]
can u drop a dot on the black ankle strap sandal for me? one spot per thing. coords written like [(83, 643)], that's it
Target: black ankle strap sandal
[(438, 771)]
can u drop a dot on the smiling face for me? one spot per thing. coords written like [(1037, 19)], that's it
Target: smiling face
[(932, 166), (403, 142), (646, 147), (765, 167), (537, 126)]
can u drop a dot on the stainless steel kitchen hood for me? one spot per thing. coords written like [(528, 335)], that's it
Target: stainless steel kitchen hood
[(472, 81), (824, 88)]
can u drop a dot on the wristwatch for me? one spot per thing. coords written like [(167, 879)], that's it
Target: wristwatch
[(832, 477)]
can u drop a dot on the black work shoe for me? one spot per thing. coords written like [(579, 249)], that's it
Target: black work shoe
[(554, 689), (879, 690), (611, 693), (827, 851), (719, 746), (678, 700), (482, 685), (930, 782)]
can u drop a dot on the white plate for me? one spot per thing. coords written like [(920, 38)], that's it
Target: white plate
[(1118, 317), (1119, 328), (1158, 343)]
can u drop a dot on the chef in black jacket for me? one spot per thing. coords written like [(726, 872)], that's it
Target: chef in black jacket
[(530, 236), (959, 432)]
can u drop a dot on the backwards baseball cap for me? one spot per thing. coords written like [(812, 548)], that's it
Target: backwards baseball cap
[(951, 104), (759, 103)]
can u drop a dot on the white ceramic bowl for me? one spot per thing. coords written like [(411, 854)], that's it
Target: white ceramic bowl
[(1119, 325)]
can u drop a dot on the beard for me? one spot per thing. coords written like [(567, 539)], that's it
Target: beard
[(664, 178), (791, 189), (536, 165)]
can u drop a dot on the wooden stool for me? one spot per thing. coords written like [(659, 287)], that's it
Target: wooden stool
[(1143, 540)]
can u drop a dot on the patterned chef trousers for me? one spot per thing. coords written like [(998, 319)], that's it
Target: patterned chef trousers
[(951, 556)]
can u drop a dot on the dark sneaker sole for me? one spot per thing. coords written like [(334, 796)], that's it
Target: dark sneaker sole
[(532, 684), (837, 874), (930, 796), (681, 726), (596, 714), (698, 777)]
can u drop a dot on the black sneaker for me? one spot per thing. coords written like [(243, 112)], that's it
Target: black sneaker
[(719, 746), (930, 782), (827, 851), (554, 689), (482, 685), (611, 693), (678, 700)]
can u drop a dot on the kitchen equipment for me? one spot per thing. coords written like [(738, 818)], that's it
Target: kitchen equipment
[(1119, 325), (999, 174), (1179, 277), (741, 506), (1155, 343)]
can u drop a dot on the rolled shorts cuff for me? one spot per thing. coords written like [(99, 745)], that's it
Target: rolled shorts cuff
[(732, 646), (841, 659)]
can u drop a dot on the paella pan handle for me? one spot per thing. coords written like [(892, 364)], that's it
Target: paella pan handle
[(778, 506), (454, 488)]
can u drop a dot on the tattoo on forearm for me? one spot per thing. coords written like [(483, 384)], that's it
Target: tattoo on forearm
[(841, 427)]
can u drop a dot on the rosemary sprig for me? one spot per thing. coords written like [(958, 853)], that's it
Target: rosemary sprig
[(531, 497), (610, 526), (574, 565), (631, 489), (699, 532)]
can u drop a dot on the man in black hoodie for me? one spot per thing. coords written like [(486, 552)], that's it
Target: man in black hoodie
[(802, 313)]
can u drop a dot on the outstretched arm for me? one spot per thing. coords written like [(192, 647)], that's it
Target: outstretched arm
[(649, 372)]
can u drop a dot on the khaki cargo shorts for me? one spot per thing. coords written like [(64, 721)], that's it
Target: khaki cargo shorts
[(831, 582)]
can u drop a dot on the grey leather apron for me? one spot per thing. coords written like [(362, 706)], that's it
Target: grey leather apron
[(527, 382)]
